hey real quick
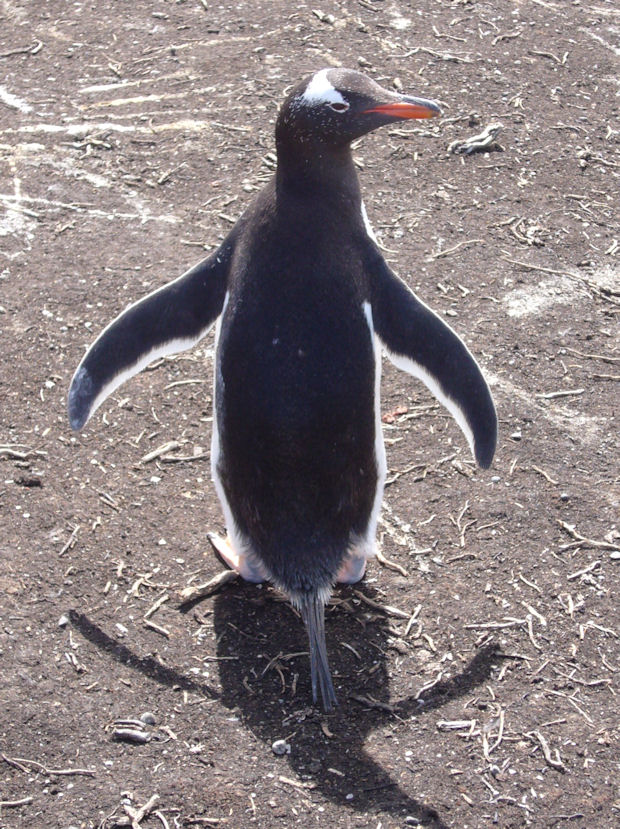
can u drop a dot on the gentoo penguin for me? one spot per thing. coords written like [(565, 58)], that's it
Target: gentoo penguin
[(304, 303)]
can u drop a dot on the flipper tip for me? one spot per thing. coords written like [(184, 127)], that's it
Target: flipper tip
[(486, 442), (78, 401), (484, 455)]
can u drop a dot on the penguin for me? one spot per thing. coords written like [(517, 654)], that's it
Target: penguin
[(304, 303)]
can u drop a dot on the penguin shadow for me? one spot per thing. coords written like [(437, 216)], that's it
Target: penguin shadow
[(265, 681), (148, 666), (264, 674)]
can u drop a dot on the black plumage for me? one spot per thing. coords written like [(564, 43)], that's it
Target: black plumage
[(303, 297)]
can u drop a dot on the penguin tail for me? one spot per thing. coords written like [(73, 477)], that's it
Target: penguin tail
[(312, 608)]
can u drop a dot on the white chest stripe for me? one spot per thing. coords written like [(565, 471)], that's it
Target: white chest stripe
[(380, 459), (368, 226), (239, 542)]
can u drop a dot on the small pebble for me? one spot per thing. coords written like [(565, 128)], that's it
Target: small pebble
[(496, 479), (516, 435), (63, 621), (615, 555), (564, 496), (280, 747), (148, 718)]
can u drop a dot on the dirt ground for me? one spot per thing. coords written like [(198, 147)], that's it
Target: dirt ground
[(479, 680)]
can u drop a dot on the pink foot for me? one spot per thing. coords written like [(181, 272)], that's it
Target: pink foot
[(352, 570), (230, 558)]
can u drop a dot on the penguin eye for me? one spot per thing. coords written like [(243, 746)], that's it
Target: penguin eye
[(339, 106)]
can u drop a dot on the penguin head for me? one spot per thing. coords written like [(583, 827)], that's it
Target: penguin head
[(335, 106)]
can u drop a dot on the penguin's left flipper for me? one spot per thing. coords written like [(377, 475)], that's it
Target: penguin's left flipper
[(171, 319), (419, 342)]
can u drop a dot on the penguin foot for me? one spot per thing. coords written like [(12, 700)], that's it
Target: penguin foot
[(352, 570), (232, 560)]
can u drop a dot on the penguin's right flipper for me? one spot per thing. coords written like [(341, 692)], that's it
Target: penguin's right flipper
[(419, 342), (171, 319)]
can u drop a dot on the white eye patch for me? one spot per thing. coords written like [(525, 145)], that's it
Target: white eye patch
[(321, 91), (338, 107)]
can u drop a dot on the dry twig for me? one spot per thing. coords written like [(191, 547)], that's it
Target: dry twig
[(391, 565), (136, 815), (464, 243), (370, 702), (11, 804), (71, 541), (386, 608), (161, 450), (582, 540), (199, 591), (28, 765), (553, 760)]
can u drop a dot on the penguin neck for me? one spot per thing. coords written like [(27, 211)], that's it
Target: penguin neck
[(318, 172)]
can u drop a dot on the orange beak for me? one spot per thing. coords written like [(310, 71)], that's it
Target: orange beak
[(408, 107)]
